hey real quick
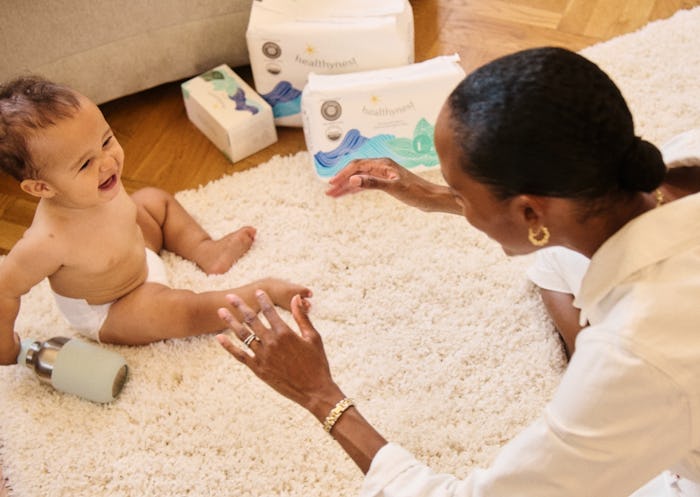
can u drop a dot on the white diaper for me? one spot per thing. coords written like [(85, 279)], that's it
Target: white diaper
[(88, 319)]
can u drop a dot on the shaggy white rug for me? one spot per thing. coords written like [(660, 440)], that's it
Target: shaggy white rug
[(436, 334)]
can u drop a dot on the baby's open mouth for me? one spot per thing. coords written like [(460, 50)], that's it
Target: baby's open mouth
[(108, 183)]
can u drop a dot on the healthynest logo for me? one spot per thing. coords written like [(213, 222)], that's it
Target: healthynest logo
[(311, 59), (375, 108)]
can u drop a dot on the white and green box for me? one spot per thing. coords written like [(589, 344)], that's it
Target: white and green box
[(229, 112), (383, 113)]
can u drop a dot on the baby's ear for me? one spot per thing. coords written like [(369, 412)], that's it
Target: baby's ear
[(37, 188)]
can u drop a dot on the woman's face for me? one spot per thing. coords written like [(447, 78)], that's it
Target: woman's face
[(502, 220)]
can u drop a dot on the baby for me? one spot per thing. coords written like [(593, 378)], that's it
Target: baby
[(97, 245)]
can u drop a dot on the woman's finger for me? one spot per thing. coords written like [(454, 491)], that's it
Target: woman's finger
[(301, 316), (249, 319), (234, 350), (243, 332), (268, 309)]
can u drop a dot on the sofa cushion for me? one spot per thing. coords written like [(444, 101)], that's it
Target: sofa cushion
[(109, 49)]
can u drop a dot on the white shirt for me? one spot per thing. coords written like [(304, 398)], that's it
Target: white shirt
[(628, 405), (558, 269)]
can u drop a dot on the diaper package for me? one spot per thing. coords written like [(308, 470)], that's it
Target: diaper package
[(383, 113), (288, 39), (229, 112)]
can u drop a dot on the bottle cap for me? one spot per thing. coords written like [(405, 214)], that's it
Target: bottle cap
[(25, 345)]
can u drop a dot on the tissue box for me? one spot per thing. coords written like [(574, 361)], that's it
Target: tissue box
[(384, 113), (288, 39), (229, 112)]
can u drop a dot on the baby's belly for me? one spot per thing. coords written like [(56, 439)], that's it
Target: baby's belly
[(102, 285)]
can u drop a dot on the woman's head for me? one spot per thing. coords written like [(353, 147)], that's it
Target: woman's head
[(540, 124), (549, 122), (28, 105)]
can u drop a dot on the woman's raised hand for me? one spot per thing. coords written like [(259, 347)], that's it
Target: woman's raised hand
[(369, 174), (386, 175)]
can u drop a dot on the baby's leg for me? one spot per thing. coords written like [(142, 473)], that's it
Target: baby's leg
[(167, 225), (156, 312)]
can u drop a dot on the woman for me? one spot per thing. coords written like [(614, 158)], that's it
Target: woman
[(538, 148), (558, 271)]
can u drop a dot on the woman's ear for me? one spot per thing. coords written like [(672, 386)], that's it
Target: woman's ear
[(37, 188), (528, 209)]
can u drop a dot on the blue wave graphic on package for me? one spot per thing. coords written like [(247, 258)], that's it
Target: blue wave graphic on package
[(242, 103), (223, 82), (409, 152), (284, 99)]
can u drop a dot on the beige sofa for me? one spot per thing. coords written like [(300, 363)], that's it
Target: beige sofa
[(108, 49)]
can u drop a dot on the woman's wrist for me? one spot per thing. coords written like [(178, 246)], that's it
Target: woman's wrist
[(435, 198), (322, 403)]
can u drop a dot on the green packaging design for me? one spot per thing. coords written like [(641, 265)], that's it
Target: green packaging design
[(229, 112), (384, 113)]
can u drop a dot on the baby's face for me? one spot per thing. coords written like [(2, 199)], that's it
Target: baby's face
[(79, 158)]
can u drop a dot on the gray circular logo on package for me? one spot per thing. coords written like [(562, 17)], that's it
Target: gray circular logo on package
[(334, 133), (331, 110), (271, 50)]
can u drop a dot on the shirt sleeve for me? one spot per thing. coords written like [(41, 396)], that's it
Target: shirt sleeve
[(558, 269), (598, 436)]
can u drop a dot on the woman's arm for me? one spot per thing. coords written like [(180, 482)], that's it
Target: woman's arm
[(574, 431), (397, 181), (560, 307)]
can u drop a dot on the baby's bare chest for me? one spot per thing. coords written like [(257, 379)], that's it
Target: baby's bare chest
[(104, 258)]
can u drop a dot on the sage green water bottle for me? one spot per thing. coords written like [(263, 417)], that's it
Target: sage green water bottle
[(76, 367)]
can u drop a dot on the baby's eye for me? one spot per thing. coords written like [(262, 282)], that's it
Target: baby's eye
[(106, 142), (85, 165)]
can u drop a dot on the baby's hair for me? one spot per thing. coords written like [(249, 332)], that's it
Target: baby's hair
[(28, 104), (547, 121)]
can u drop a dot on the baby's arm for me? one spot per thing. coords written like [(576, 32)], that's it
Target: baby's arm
[(29, 262)]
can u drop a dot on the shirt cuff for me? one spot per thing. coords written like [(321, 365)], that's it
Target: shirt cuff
[(390, 461)]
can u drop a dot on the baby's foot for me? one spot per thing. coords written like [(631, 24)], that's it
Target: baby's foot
[(217, 256), (281, 292)]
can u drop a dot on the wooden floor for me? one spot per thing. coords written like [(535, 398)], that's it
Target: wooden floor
[(164, 149)]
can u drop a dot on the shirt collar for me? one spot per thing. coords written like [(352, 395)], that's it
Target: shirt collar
[(645, 240)]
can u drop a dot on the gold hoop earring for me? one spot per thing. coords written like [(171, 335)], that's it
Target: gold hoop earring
[(540, 238)]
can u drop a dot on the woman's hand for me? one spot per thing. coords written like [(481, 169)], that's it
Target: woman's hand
[(295, 365), (292, 363), (365, 174), (386, 175)]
